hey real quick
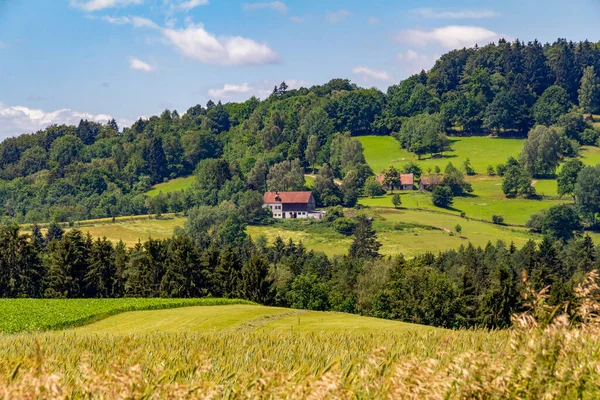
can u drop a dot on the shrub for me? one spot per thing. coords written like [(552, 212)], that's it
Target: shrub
[(442, 196), (500, 169), (498, 219), (344, 225), (373, 188), (490, 170)]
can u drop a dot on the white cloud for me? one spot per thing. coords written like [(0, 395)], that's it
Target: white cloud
[(230, 91), (449, 37), (373, 20), (96, 5), (413, 62), (273, 5), (188, 5), (297, 20), (195, 42), (337, 16), (462, 14), (18, 119), (137, 22), (371, 74), (139, 65)]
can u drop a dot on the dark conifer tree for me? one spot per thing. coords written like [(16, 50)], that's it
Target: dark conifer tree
[(101, 276), (256, 283), (365, 244)]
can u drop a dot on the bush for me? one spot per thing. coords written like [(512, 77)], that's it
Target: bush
[(500, 169), (498, 219), (333, 213), (535, 221), (373, 188), (344, 225), (442, 196), (490, 170)]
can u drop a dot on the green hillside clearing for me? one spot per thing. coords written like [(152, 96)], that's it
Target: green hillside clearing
[(173, 185)]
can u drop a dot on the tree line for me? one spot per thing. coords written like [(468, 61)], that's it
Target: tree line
[(471, 286)]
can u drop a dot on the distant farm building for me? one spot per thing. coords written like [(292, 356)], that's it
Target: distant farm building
[(292, 205), (429, 182), (407, 181)]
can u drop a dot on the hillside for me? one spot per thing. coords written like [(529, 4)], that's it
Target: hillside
[(93, 170)]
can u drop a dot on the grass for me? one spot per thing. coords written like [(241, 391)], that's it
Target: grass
[(174, 185), (487, 198), (406, 231), (383, 151), (132, 231), (514, 211), (46, 314)]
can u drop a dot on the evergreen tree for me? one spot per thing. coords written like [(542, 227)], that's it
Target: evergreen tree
[(502, 299), (68, 260), (365, 244), (589, 91), (255, 280), (229, 274), (55, 232), (101, 277), (156, 159)]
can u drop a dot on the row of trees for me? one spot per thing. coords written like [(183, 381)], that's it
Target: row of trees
[(456, 288)]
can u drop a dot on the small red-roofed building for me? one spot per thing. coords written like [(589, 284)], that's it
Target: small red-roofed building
[(407, 181), (292, 205)]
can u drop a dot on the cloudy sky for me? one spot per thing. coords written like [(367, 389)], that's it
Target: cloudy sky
[(63, 60)]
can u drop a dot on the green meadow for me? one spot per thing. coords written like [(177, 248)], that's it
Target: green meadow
[(487, 198), (174, 185)]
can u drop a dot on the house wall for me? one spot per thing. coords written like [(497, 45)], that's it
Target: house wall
[(276, 209)]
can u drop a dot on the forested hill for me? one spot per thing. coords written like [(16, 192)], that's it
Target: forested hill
[(94, 170)]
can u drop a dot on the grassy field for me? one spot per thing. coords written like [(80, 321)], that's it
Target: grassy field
[(45, 314), (514, 211), (248, 318), (249, 351), (407, 231), (383, 151), (173, 185), (487, 198), (132, 231)]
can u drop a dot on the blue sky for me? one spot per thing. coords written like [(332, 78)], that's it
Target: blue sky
[(62, 60)]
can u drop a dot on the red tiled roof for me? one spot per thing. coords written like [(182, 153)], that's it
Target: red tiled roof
[(287, 197), (407, 179)]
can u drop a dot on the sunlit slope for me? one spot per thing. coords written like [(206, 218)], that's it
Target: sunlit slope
[(246, 318)]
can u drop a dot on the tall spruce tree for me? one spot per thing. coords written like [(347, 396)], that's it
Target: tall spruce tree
[(365, 244)]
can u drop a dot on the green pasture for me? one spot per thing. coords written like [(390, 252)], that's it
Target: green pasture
[(174, 185), (514, 211), (404, 231), (383, 151)]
